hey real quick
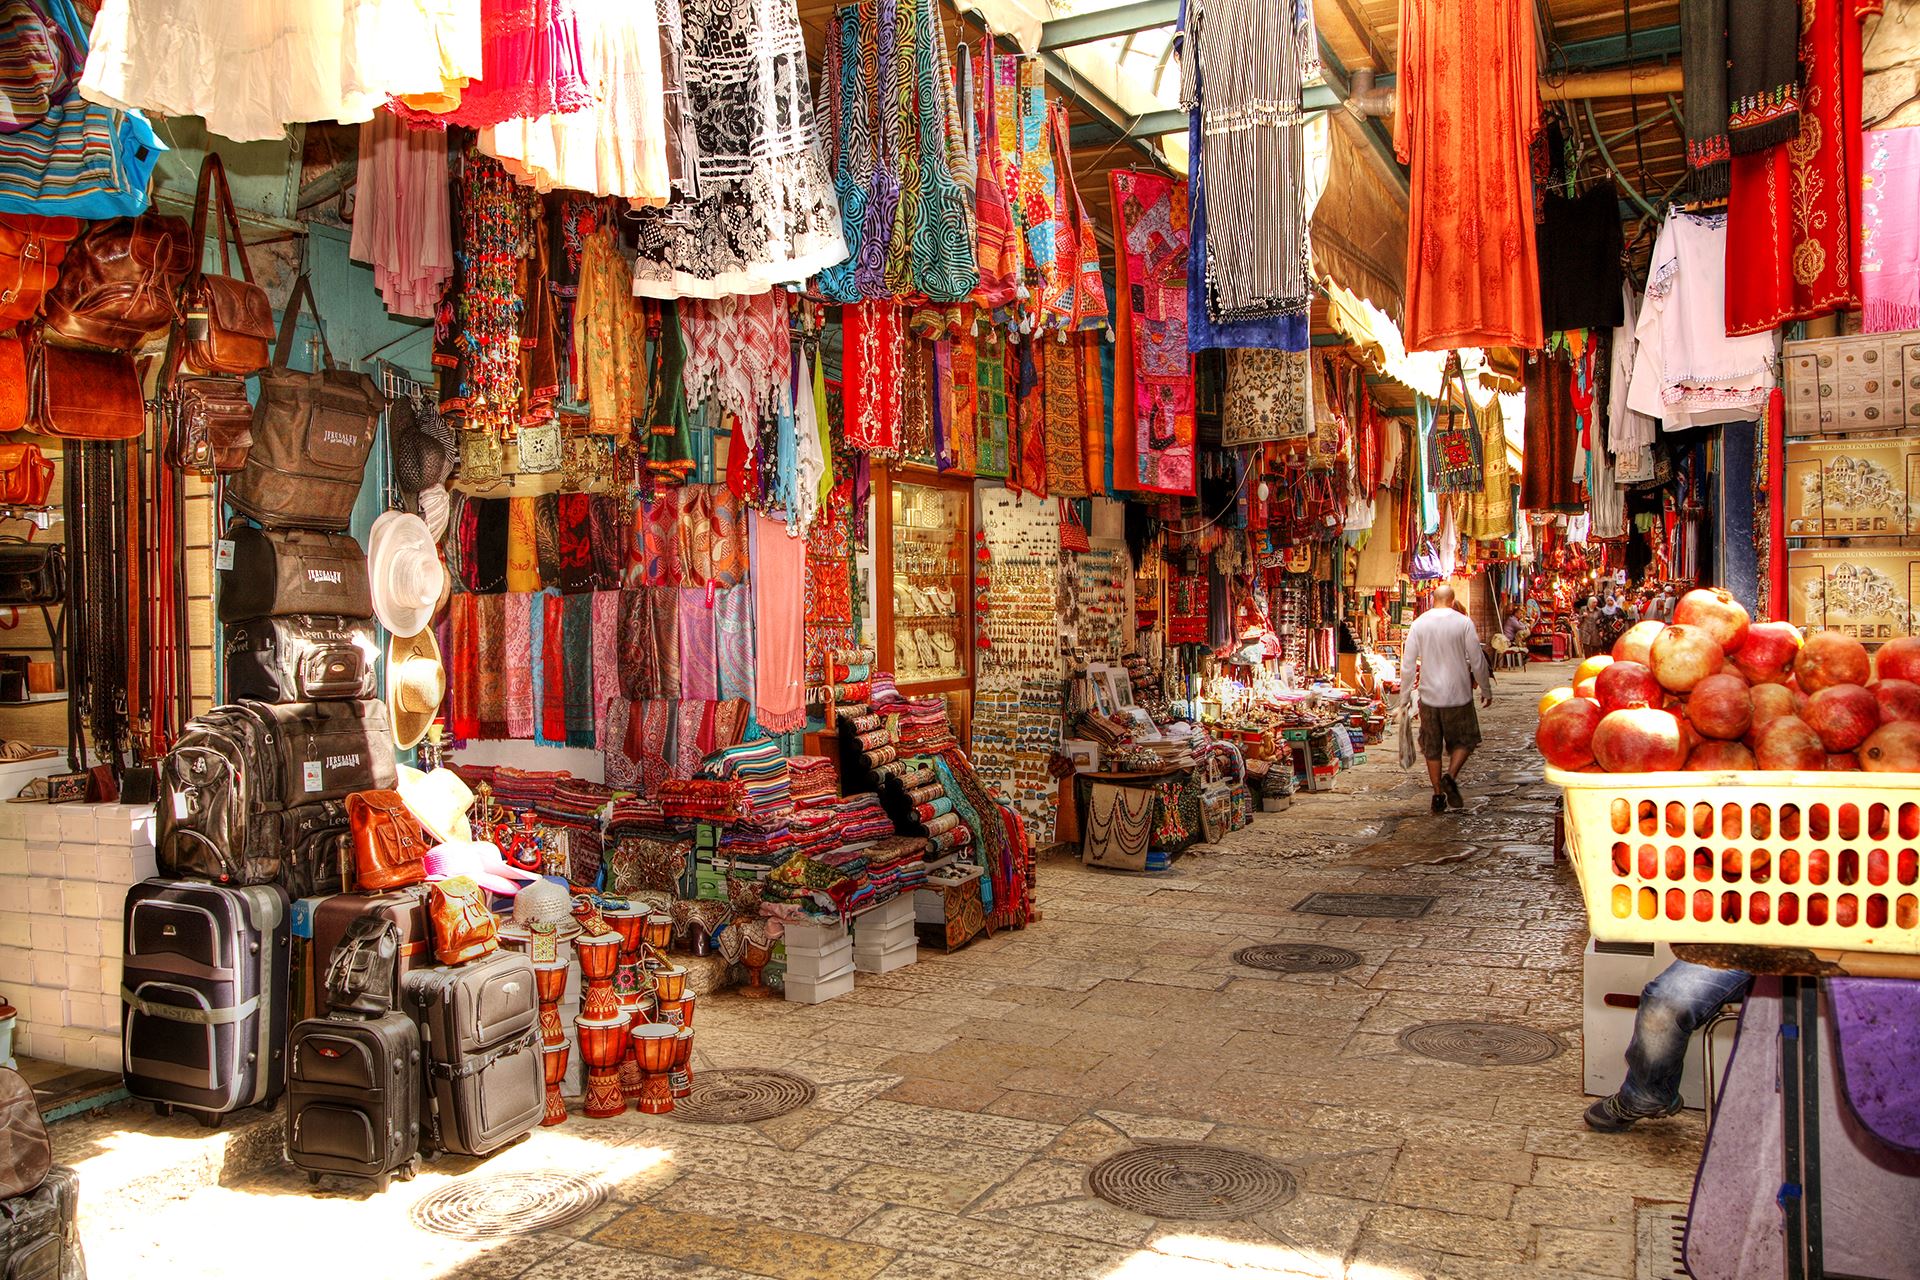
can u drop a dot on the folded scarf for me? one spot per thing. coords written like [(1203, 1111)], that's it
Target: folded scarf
[(490, 642), (519, 660), (733, 619), (577, 643), (575, 517), (463, 693), (523, 563), (490, 545), (546, 537), (553, 703), (779, 586), (699, 659), (606, 671)]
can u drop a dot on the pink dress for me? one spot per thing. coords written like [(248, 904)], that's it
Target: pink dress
[(530, 66)]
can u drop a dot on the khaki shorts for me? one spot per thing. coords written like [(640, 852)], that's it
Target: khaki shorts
[(1444, 729)]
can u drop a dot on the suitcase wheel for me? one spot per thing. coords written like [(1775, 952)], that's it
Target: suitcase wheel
[(409, 1169), (163, 1109), (209, 1119), (313, 1179)]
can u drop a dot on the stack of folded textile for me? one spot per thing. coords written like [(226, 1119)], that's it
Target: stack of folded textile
[(811, 778), (761, 767), (703, 800)]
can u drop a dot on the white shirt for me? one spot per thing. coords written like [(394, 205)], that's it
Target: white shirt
[(1444, 650)]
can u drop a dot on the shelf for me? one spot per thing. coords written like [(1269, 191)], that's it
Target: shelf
[(33, 698)]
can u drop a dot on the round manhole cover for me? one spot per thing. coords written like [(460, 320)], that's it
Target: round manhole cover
[(1481, 1044), (1191, 1181), (507, 1204), (1296, 957), (743, 1096)]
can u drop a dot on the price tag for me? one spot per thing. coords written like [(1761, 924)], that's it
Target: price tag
[(310, 775), (710, 590), (223, 554), (179, 806)]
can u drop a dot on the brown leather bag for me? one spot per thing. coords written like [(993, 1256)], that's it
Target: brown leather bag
[(464, 926), (83, 395), (227, 319), (13, 382), (26, 475), (121, 281), (212, 425), (31, 250), (388, 844), (26, 1155)]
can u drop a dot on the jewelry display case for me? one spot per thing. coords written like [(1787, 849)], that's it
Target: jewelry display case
[(924, 558)]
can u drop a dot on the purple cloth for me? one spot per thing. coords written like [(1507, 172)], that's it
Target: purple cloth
[(1875, 1020)]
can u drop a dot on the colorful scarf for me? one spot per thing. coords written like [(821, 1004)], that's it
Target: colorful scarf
[(575, 517), (1703, 62), (523, 564), (1763, 71), (692, 737), (1090, 354), (537, 663), (963, 419), (665, 603), (737, 352), (699, 659), (490, 617), (733, 619), (606, 536), (991, 410), (490, 545), (546, 537), (729, 538), (606, 668), (639, 659), (871, 376), (695, 531), (779, 579), (519, 660), (1029, 468), (1890, 232), (463, 693), (649, 739), (576, 640), (659, 564), (1150, 216), (553, 655)]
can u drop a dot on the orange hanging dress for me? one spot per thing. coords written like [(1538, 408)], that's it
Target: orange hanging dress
[(1469, 106)]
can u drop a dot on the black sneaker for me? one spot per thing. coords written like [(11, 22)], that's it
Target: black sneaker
[(1452, 788), (1612, 1115), (1439, 804)]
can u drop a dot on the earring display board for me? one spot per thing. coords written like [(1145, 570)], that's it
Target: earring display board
[(1023, 626), (1096, 604)]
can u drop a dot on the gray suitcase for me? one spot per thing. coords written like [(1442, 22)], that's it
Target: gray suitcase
[(479, 1039), (353, 1097)]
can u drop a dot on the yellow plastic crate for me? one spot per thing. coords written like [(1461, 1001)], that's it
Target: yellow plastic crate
[(1825, 860)]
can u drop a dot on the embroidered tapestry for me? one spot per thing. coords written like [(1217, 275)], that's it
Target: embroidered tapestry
[(1150, 237)]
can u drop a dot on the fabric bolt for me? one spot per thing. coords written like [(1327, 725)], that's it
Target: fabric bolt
[(490, 635), (523, 562), (402, 227), (553, 654), (779, 616), (757, 208), (1579, 245), (1703, 113), (577, 714), (575, 524), (1465, 125), (606, 670), (609, 337), (518, 656), (1150, 216), (1890, 232), (699, 654), (1763, 71)]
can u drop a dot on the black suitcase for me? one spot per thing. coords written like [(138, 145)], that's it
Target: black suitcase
[(204, 996), (40, 1231), (479, 1038), (300, 659), (281, 572), (353, 1097)]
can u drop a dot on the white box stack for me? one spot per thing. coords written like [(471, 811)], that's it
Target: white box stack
[(64, 874), (1613, 974), (883, 938), (819, 961)]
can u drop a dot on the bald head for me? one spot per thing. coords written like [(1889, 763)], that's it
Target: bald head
[(1442, 596)]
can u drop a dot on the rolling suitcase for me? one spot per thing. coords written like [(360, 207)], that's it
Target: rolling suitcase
[(353, 1097), (480, 1041), (204, 996), (40, 1230), (406, 908)]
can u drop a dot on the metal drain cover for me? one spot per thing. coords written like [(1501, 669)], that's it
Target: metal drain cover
[(743, 1096), (1296, 957), (1481, 1044), (1660, 1236), (1390, 906), (1190, 1181), (507, 1204)]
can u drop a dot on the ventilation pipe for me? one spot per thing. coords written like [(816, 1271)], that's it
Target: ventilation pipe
[(1363, 99)]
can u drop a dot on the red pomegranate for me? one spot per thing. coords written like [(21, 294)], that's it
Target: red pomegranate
[(1720, 707), (1565, 733), (1898, 699), (1843, 762), (1712, 756), (1681, 657), (1829, 658), (1892, 748), (1789, 743), (1633, 643), (1715, 611), (1770, 702), (1640, 740), (1843, 715), (1627, 684), (1767, 654), (1898, 659)]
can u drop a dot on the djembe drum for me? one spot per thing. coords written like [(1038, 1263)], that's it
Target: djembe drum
[(603, 1042), (628, 922), (554, 1059), (657, 933), (654, 1048), (677, 1013), (550, 986), (599, 958), (670, 983), (680, 1078), (639, 1012)]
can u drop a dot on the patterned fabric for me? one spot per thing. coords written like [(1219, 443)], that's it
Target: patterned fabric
[(1066, 447), (523, 564), (607, 539), (871, 376), (463, 678), (699, 657), (962, 423), (665, 607), (1096, 426), (1090, 309), (1269, 396), (1890, 232), (546, 537), (729, 541), (991, 410), (916, 401), (996, 244), (733, 620), (490, 613), (660, 541), (695, 531), (576, 542), (1028, 469), (609, 338), (779, 612), (577, 649), (1150, 235), (606, 668), (519, 664), (553, 653), (737, 353), (639, 658)]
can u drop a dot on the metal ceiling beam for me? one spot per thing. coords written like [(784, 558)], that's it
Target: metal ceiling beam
[(1121, 20), (1611, 51), (1156, 124)]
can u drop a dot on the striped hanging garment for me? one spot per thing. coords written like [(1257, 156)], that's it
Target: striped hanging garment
[(844, 95), (942, 249), (996, 245)]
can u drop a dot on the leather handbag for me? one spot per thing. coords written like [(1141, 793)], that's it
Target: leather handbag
[(14, 402), (121, 281), (360, 973), (312, 433), (227, 320), (211, 425), (32, 573), (26, 1155), (281, 572), (388, 844), (31, 250), (83, 395), (464, 927), (26, 475)]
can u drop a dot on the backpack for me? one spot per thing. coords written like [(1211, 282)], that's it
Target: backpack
[(217, 785), (38, 65), (464, 926), (360, 974), (388, 845)]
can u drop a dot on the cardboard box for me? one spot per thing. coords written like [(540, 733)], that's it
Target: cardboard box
[(13, 858), (1868, 594), (815, 965), (809, 991)]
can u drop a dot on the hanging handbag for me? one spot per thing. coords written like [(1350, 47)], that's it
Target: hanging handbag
[(464, 927), (121, 281), (280, 573), (227, 320), (312, 433), (360, 974), (14, 403), (210, 428), (31, 250), (26, 476), (83, 395), (32, 573), (1073, 534), (482, 457), (388, 845), (539, 448)]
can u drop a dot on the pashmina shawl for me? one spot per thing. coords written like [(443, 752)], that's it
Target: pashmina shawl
[(576, 542), (489, 643), (546, 537), (518, 656), (553, 655), (699, 658), (639, 659), (463, 692), (733, 619), (606, 668), (779, 615), (1890, 227), (523, 565), (577, 646)]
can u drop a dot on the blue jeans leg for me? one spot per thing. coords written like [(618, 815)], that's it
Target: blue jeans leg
[(1672, 1008)]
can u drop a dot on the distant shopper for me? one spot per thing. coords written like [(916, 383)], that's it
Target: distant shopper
[(1673, 1006), (1441, 663)]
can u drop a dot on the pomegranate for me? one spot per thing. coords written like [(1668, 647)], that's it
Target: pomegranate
[(1892, 748), (1552, 697), (1829, 658), (1898, 659), (1767, 654), (1640, 740), (1681, 657), (1584, 689), (1789, 743), (1565, 733), (1843, 715), (1713, 755), (1633, 643), (1843, 762), (1715, 611), (1770, 702), (1627, 684), (1720, 707), (1898, 699), (1591, 668)]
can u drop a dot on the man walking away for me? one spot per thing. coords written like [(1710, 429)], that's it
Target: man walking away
[(1442, 660), (1672, 1007)]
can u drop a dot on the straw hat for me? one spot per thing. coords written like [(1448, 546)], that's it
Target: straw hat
[(407, 575), (416, 683), (440, 801)]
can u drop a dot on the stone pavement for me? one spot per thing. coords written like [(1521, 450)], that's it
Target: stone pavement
[(962, 1101)]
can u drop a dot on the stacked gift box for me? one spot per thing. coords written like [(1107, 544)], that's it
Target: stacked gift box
[(819, 961), (883, 938)]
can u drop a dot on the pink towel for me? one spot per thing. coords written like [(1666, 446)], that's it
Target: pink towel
[(779, 620), (1890, 232)]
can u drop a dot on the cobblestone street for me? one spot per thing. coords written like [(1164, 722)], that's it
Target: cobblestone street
[(962, 1101)]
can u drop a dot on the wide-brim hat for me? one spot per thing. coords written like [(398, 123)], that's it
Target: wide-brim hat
[(469, 858), (403, 562), (416, 684), (439, 800)]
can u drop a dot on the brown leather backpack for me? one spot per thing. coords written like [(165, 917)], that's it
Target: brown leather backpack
[(121, 281), (464, 926), (31, 250), (25, 1153), (228, 320), (388, 844)]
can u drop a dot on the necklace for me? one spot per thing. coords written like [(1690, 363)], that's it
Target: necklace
[(1122, 832)]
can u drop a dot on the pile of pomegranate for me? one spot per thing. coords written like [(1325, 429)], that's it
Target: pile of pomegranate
[(1716, 690)]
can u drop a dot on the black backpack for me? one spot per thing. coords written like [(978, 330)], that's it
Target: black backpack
[(216, 784)]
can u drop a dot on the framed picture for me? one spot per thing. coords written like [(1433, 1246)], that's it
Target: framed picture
[(1119, 687), (1084, 753)]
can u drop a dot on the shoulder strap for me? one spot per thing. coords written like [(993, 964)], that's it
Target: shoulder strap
[(213, 182), (282, 349)]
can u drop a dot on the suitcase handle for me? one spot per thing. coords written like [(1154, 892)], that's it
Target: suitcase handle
[(202, 1017), (474, 1066)]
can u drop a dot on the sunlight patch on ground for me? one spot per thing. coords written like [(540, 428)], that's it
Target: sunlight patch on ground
[(1197, 1255)]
